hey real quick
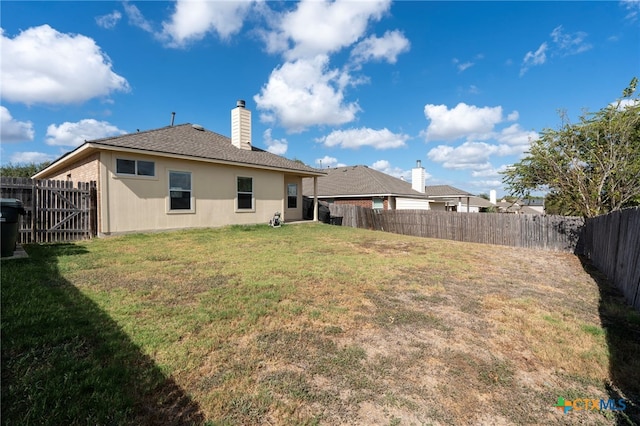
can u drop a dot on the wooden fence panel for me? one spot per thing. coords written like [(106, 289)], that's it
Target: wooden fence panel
[(532, 231), (56, 210), (612, 243)]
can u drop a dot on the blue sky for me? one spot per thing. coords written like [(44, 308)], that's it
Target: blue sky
[(461, 86)]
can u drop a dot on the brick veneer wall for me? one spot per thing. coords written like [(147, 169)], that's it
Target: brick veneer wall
[(367, 203), (84, 170)]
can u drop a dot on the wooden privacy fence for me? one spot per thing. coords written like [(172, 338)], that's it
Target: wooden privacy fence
[(57, 211), (612, 243), (558, 233)]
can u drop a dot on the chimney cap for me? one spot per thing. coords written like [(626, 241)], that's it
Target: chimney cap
[(240, 103)]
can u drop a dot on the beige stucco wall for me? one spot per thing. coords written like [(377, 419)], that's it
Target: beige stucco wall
[(142, 203)]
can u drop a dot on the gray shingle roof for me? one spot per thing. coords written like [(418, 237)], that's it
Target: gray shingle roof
[(443, 191), (354, 181), (186, 140), (473, 201)]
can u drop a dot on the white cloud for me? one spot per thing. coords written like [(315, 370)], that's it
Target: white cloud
[(469, 155), (561, 43), (12, 130), (387, 48), (462, 65), (327, 161), (624, 103), (492, 172), (475, 155), (356, 138), (322, 27), (305, 93), (136, 18), (274, 146), (192, 20), (75, 134), (633, 7), (538, 57), (42, 65), (385, 166), (515, 140), (569, 44), (110, 20), (31, 157), (462, 120)]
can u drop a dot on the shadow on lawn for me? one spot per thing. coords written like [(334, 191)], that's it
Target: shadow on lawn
[(65, 361), (621, 324)]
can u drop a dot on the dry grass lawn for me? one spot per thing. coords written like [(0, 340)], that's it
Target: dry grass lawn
[(317, 324)]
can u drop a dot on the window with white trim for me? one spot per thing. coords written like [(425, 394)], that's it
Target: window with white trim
[(245, 193), (180, 193), (135, 167), (378, 203), (292, 196)]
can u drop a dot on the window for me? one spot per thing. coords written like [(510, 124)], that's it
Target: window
[(292, 195), (179, 191), (135, 167), (245, 193), (378, 203)]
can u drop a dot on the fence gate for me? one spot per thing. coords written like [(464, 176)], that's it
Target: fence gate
[(57, 211)]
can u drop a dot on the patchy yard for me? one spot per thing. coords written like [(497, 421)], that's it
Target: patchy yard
[(310, 324)]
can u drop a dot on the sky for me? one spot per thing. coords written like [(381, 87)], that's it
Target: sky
[(463, 87)]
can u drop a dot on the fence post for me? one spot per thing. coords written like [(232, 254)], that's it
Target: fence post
[(93, 209)]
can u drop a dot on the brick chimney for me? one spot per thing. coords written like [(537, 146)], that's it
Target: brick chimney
[(418, 177), (241, 126)]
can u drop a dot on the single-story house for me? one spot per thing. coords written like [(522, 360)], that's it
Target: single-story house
[(365, 187), (448, 198), (517, 207), (185, 176)]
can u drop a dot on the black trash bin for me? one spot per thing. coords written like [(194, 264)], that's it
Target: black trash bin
[(10, 211), (335, 220)]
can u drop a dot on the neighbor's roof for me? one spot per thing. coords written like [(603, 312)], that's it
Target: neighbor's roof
[(473, 201), (354, 181), (508, 207), (185, 140), (444, 191)]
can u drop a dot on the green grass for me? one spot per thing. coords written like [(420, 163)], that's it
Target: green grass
[(306, 324)]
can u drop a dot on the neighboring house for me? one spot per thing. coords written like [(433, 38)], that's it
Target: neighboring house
[(479, 204), (448, 198), (516, 208), (184, 176), (365, 187), (536, 204)]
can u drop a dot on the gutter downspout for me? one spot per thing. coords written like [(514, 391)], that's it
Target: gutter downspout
[(315, 198)]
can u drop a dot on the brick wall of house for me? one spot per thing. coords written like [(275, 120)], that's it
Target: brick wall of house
[(84, 170), (360, 202), (367, 203)]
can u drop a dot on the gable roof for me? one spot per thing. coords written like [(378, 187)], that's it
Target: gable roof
[(195, 143), (354, 181), (444, 191)]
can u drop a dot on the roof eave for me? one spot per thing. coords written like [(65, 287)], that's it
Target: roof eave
[(303, 173), (65, 159)]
